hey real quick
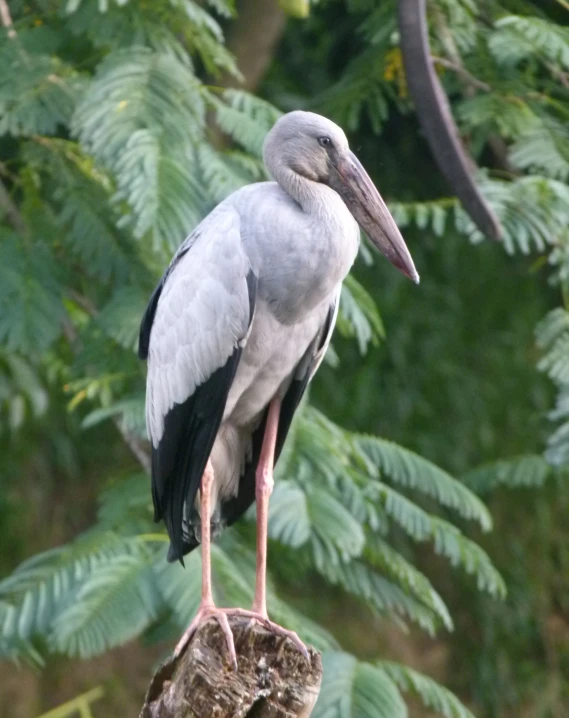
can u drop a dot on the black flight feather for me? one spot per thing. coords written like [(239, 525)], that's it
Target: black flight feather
[(179, 460), (147, 320)]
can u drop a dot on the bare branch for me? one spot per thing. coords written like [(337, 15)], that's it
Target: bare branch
[(435, 116), (7, 19), (137, 446), (84, 302), (10, 210), (463, 72)]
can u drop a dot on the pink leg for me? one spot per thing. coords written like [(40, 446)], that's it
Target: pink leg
[(205, 513), (258, 612), (263, 491), (207, 607)]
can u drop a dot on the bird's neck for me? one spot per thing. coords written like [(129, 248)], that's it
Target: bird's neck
[(314, 197)]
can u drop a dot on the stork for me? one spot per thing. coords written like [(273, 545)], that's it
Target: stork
[(237, 328)]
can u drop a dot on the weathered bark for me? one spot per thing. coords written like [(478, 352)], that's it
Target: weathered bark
[(274, 680)]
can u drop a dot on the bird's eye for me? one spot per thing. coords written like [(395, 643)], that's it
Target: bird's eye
[(325, 141)]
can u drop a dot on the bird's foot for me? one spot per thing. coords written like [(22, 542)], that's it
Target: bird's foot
[(264, 620), (204, 614), (221, 615)]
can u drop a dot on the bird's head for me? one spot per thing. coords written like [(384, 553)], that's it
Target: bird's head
[(316, 149)]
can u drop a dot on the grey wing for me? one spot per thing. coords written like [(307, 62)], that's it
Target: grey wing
[(304, 372), (195, 333)]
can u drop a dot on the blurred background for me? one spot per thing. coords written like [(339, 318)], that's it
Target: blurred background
[(419, 531)]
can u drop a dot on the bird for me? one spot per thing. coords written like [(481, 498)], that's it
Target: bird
[(236, 329)]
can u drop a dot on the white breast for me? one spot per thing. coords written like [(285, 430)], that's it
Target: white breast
[(271, 355)]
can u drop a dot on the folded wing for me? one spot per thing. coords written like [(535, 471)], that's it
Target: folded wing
[(193, 334)]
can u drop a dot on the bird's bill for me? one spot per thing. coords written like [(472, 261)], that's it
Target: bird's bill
[(370, 211)]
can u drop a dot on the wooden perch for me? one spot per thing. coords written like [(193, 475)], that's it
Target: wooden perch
[(274, 679)]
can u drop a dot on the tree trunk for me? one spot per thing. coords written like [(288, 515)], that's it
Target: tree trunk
[(253, 39), (273, 680)]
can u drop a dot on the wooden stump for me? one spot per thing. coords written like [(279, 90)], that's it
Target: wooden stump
[(274, 680)]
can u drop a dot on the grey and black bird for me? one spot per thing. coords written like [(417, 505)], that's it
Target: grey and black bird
[(237, 328)]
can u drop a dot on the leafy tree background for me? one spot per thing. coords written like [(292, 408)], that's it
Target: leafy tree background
[(121, 124)]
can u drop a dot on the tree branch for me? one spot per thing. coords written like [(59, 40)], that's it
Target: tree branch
[(273, 677), (462, 72), (11, 211), (137, 446), (7, 19), (253, 39), (434, 113)]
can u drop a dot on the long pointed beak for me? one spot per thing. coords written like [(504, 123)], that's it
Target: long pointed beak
[(363, 200)]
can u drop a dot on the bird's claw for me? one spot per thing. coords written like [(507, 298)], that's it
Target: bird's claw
[(265, 621), (291, 635), (204, 614), (221, 616)]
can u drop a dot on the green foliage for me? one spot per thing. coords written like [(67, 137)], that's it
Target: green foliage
[(414, 472), (354, 689), (82, 704), (37, 94), (31, 308), (529, 471), (80, 596), (359, 316), (46, 585), (245, 118), (113, 605), (147, 139), (543, 148), (114, 143), (532, 210), (553, 339), (328, 504), (431, 693), (22, 392), (84, 222), (120, 317), (520, 38)]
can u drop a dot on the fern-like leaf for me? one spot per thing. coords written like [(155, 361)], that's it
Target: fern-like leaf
[(245, 118), (354, 689), (517, 38), (529, 471), (45, 585), (432, 695), (31, 307), (412, 471), (447, 540), (391, 563), (141, 118), (37, 92), (120, 317), (113, 605), (359, 316)]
